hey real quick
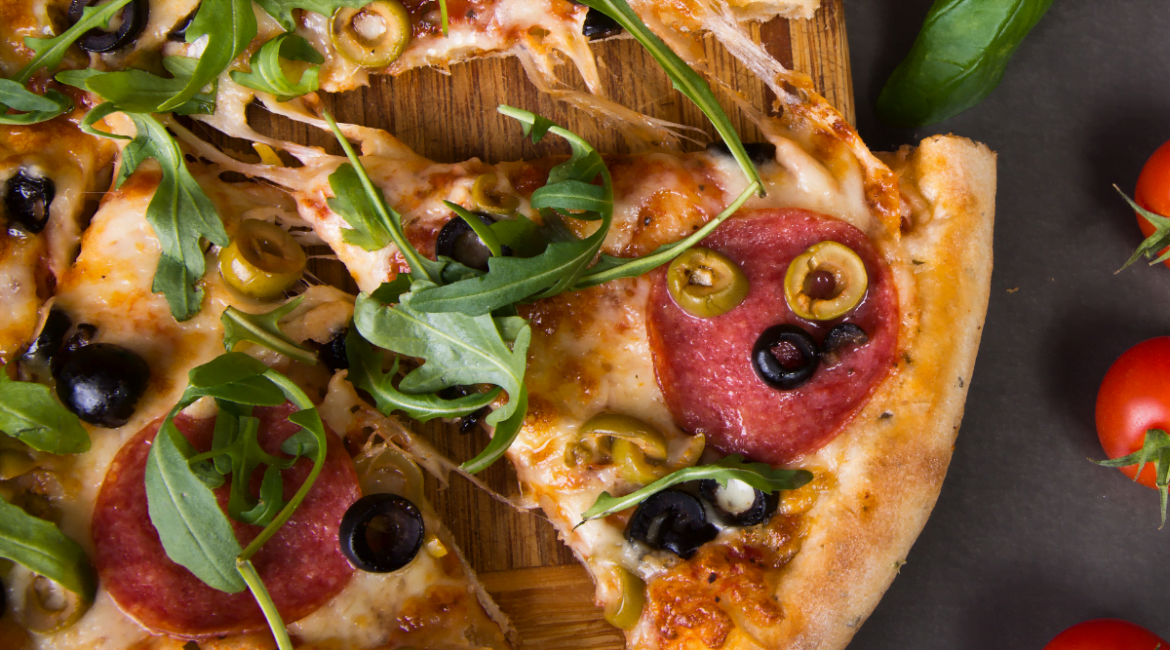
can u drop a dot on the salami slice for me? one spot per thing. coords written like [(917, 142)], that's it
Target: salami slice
[(301, 566), (704, 365)]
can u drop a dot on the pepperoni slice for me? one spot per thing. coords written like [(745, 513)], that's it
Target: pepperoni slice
[(301, 565), (704, 364)]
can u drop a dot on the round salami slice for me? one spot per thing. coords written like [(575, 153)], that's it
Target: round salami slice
[(301, 565), (704, 365)]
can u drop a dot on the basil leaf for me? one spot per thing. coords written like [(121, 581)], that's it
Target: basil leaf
[(611, 268), (229, 25), (365, 373), (458, 349), (50, 51), (281, 10), (42, 548), (758, 475), (29, 413), (138, 91), (503, 436), (179, 212), (264, 329), (958, 58), (683, 78), (268, 75), (194, 531), (36, 108)]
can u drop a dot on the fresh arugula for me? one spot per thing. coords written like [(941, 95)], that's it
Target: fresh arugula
[(281, 10), (36, 108), (1158, 240), (29, 413), (443, 21), (138, 91), (268, 73), (179, 212), (1155, 449), (50, 51), (264, 329), (229, 25), (42, 548), (683, 77), (758, 475)]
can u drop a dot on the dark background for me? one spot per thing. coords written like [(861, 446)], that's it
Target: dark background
[(1028, 536)]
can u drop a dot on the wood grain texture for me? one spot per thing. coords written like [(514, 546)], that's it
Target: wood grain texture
[(451, 117)]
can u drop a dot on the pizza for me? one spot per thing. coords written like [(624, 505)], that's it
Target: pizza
[(731, 379)]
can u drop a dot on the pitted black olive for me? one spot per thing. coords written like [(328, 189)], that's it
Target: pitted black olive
[(671, 520), (44, 348), (381, 533), (332, 353), (179, 33), (459, 242), (740, 504), (841, 339), (101, 383), (599, 25), (785, 357), (81, 338), (134, 17), (758, 152), (27, 199)]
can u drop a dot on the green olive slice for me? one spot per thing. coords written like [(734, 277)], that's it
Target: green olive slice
[(489, 199), (636, 447), (386, 469), (624, 611), (826, 281), (49, 607), (262, 261), (706, 284), (372, 36)]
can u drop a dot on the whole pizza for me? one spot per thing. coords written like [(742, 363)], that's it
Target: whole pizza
[(730, 378)]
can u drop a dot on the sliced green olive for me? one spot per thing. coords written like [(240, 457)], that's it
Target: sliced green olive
[(705, 283), (490, 199), (595, 439), (825, 282), (632, 464), (624, 612), (262, 261), (49, 607), (372, 36)]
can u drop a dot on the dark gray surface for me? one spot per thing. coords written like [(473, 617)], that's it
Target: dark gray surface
[(1028, 537)]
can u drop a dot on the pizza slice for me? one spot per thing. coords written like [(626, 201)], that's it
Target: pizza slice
[(120, 362)]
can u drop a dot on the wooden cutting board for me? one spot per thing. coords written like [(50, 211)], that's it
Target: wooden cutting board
[(450, 117)]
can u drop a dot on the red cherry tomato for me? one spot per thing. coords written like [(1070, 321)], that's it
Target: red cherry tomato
[(1153, 190), (1106, 634), (1135, 397)]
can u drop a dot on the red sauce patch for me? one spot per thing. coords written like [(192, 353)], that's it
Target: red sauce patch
[(704, 364)]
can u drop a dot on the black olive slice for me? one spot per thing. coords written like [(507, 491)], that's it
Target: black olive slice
[(332, 353), (841, 339), (459, 242), (785, 357), (134, 17), (732, 504), (44, 348), (598, 24), (758, 152), (381, 533), (179, 33), (27, 199), (101, 383), (671, 520)]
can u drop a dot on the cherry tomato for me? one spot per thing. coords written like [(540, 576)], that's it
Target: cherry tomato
[(1153, 189), (1106, 634), (1135, 397)]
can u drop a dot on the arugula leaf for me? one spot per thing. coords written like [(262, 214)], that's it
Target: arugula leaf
[(37, 108), (1157, 240), (229, 25), (1155, 449), (264, 329), (50, 51), (247, 457), (42, 548), (458, 349), (281, 10), (477, 225), (29, 413), (365, 372), (445, 24), (260, 593), (758, 475), (138, 91), (503, 436), (611, 268), (682, 77), (368, 229), (268, 74), (179, 212)]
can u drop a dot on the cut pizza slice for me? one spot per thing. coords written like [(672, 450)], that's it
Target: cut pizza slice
[(121, 362)]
